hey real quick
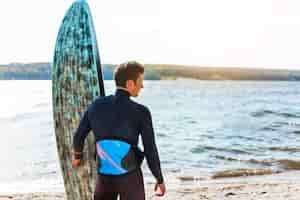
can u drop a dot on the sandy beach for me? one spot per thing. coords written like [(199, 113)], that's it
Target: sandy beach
[(276, 187)]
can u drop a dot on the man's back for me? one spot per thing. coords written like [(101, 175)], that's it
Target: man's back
[(116, 116)]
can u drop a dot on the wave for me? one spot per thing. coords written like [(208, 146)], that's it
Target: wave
[(250, 161), (284, 164), (279, 125), (162, 135), (267, 128), (297, 132), (262, 113), (246, 138), (243, 172), (191, 178), (230, 174), (289, 164), (200, 149), (287, 149)]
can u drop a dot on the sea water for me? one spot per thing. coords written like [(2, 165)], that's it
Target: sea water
[(202, 128)]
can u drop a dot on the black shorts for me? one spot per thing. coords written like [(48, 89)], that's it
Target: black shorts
[(129, 187)]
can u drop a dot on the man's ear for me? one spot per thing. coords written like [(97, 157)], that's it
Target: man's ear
[(130, 84)]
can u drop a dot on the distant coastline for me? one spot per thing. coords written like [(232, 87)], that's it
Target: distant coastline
[(42, 71)]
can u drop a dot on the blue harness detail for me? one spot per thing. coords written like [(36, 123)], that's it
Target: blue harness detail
[(117, 157)]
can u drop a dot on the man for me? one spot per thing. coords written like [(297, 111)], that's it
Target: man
[(117, 116)]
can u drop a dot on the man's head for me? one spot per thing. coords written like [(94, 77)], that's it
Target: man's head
[(130, 76)]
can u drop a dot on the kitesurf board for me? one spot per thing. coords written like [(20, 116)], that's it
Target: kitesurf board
[(76, 81)]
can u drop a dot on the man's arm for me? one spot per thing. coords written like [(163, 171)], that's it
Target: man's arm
[(80, 135), (150, 148)]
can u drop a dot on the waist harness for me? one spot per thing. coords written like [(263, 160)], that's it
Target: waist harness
[(118, 157)]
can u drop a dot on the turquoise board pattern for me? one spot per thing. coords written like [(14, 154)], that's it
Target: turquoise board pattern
[(76, 82)]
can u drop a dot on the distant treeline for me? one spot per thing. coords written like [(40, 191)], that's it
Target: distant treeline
[(42, 71)]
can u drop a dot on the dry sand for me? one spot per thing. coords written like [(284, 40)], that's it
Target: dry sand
[(284, 186)]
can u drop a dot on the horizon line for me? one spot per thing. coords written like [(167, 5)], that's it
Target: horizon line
[(185, 65)]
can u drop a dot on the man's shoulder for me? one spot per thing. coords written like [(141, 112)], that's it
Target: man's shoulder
[(140, 107), (101, 100)]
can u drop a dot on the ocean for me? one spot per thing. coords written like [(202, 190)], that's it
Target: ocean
[(204, 129)]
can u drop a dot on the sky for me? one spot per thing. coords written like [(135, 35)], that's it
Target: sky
[(231, 33)]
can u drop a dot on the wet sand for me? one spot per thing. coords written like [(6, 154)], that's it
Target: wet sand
[(276, 187)]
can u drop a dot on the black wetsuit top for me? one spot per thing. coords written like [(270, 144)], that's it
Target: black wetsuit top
[(118, 116)]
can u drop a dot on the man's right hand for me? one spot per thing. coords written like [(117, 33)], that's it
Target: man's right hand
[(75, 163), (160, 189)]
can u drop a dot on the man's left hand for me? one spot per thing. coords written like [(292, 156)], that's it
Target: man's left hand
[(75, 163)]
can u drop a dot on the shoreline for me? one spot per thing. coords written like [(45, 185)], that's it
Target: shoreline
[(276, 187)]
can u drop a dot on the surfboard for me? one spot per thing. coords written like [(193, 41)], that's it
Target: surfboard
[(76, 81)]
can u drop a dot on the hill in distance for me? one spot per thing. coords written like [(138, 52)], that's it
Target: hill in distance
[(42, 71)]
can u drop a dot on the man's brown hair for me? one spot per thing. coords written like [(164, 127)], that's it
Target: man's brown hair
[(127, 71)]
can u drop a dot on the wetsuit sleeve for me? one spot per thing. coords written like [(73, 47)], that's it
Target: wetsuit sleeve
[(80, 135), (150, 148)]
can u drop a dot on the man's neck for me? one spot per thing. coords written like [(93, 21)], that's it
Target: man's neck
[(123, 88)]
